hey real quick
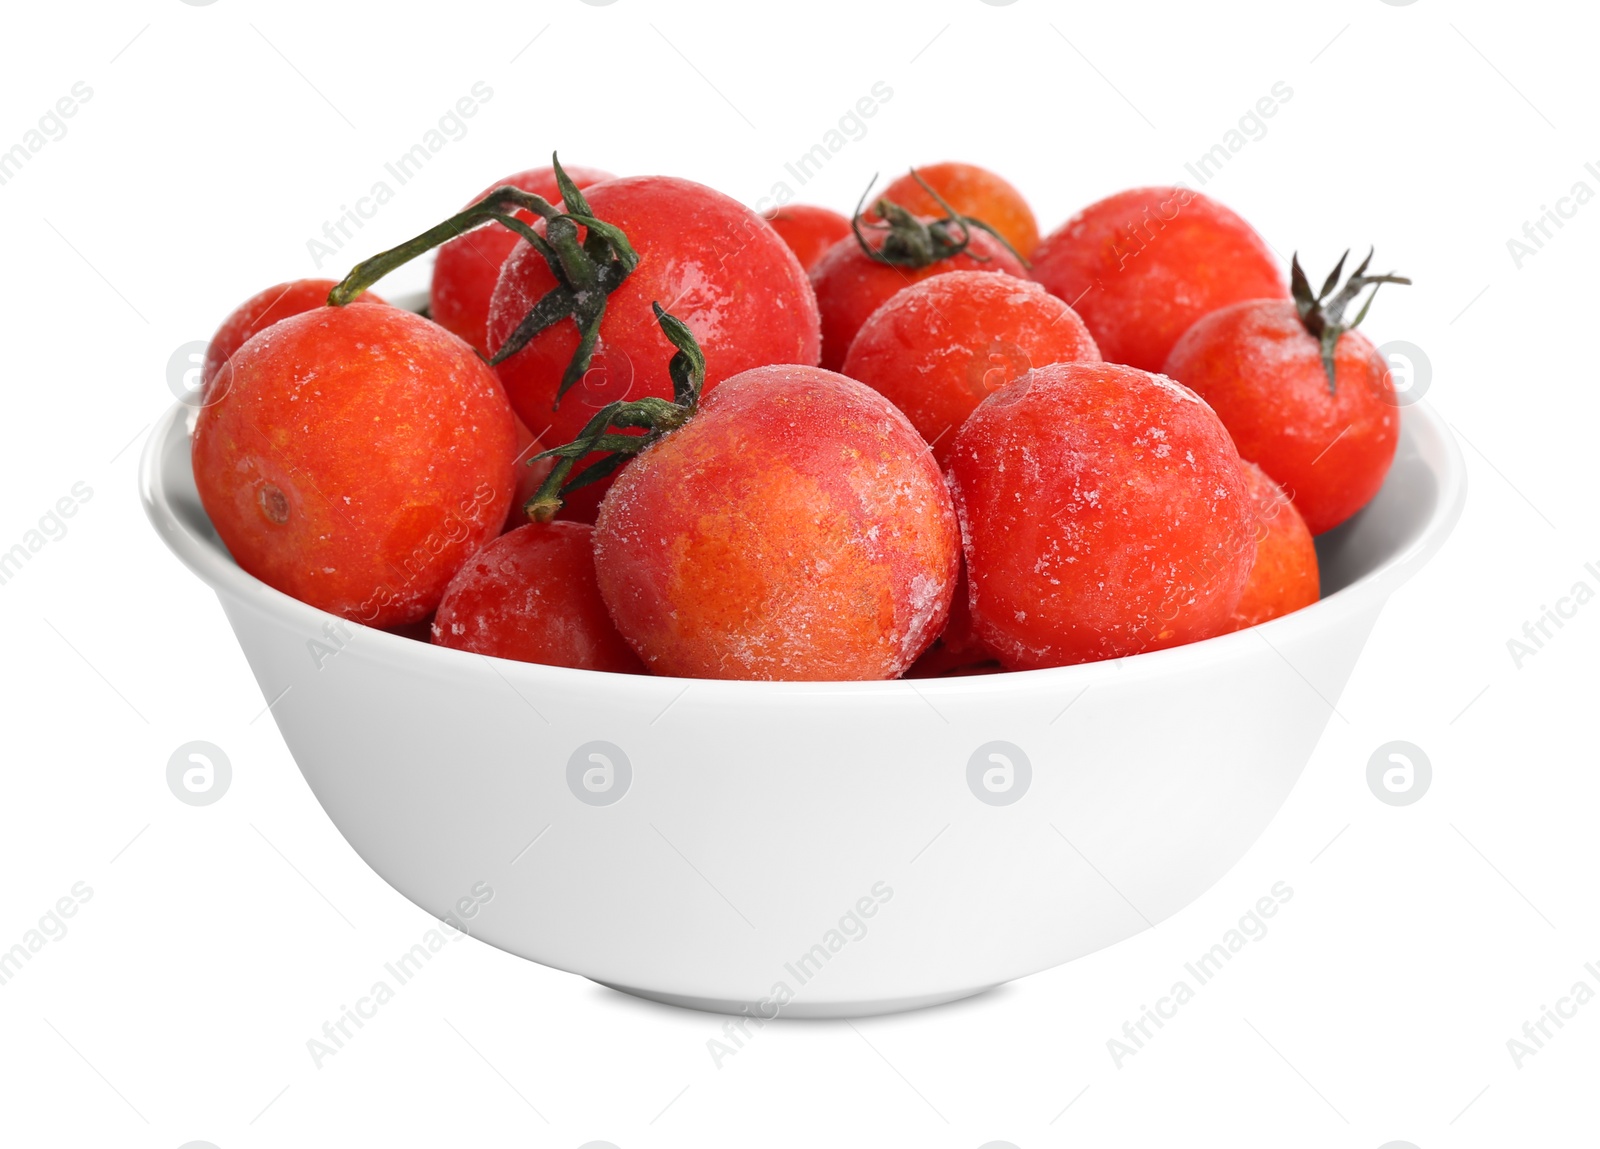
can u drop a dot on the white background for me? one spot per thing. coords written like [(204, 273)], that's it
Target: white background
[(218, 140)]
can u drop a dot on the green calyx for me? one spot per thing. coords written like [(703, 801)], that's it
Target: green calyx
[(587, 271), (908, 242), (1323, 314), (655, 417)]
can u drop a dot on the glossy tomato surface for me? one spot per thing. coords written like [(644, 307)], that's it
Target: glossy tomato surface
[(936, 349), (796, 528), (531, 595), (808, 230), (1328, 447), (1141, 266), (354, 459), (1103, 513), (261, 311), (706, 258), (466, 268)]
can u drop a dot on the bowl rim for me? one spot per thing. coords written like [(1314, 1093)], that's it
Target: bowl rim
[(210, 561)]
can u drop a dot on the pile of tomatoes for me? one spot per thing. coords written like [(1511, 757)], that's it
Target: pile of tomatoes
[(642, 429)]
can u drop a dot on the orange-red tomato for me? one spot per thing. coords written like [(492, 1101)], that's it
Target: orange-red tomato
[(851, 285), (808, 230), (1284, 577), (1103, 513), (261, 311), (354, 458), (938, 348), (971, 191), (1329, 447), (466, 268), (795, 528), (526, 474), (1141, 266), (531, 595)]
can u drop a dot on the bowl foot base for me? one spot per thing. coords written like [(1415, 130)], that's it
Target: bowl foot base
[(802, 1009)]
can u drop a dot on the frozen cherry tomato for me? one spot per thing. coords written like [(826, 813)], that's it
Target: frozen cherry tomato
[(809, 231), (466, 268), (527, 474), (958, 650), (714, 261), (1103, 513), (1303, 394), (354, 458), (851, 283), (530, 595), (939, 347), (974, 192), (1143, 265), (262, 310), (1284, 577), (796, 527)]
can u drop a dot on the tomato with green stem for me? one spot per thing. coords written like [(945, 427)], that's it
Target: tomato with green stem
[(261, 311), (1303, 393), (974, 192)]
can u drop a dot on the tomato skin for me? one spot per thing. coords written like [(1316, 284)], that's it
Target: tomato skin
[(1103, 513), (971, 191), (808, 230), (530, 595), (937, 348), (1284, 577), (527, 474), (851, 285), (795, 529), (1262, 371), (1143, 265), (466, 268), (261, 311), (354, 458), (708, 259)]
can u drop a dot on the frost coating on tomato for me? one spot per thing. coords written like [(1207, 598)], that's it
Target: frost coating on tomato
[(795, 528), (1256, 364), (808, 230), (531, 595), (261, 311), (1103, 513), (355, 458), (467, 267), (851, 285), (711, 260), (1284, 577), (938, 348), (1143, 265)]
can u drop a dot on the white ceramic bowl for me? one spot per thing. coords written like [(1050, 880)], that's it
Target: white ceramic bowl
[(811, 849)]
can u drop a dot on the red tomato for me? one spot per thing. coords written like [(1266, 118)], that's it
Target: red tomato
[(794, 528), (1327, 441), (1143, 265), (1284, 577), (1103, 513), (711, 260), (971, 191), (466, 269), (262, 310), (531, 595), (851, 285), (355, 457), (809, 231), (939, 347), (958, 650), (526, 474)]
